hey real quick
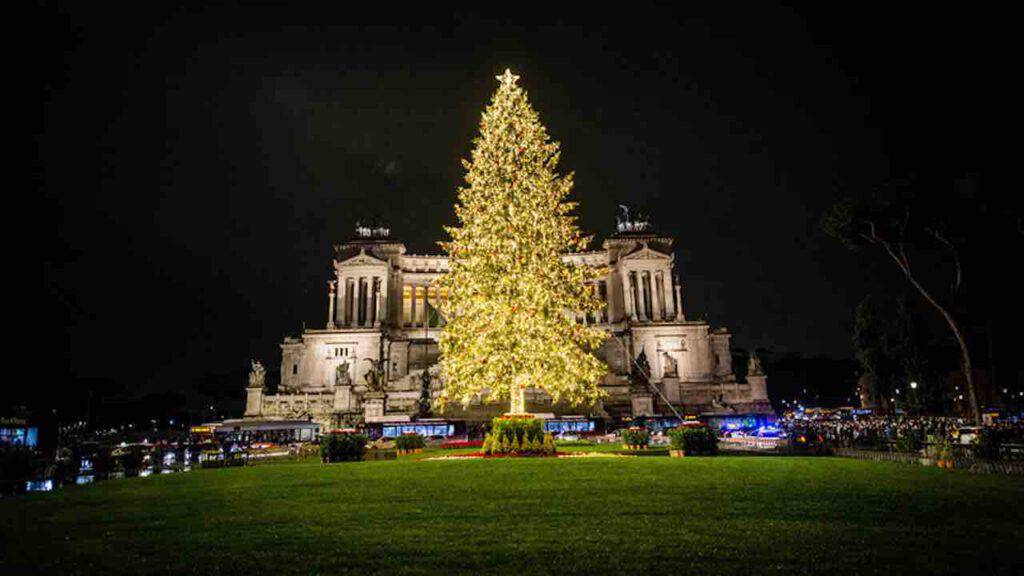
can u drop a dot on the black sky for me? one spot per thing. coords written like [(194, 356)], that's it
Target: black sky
[(195, 166)]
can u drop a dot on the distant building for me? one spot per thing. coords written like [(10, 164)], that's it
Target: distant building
[(383, 303)]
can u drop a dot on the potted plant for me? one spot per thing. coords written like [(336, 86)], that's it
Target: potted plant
[(944, 453)]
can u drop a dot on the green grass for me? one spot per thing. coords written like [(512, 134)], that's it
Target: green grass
[(725, 515)]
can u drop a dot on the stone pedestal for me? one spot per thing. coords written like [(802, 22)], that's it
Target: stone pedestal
[(253, 401), (670, 388), (373, 406), (758, 387), (643, 404), (342, 398)]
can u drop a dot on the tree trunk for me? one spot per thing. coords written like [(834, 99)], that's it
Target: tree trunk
[(518, 400), (965, 355)]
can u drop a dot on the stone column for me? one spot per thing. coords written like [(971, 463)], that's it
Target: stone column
[(330, 305), (339, 307), (625, 296), (366, 280), (629, 296), (679, 301), (638, 286), (666, 295), (383, 314), (357, 288), (655, 295), (357, 285), (426, 307), (375, 282), (412, 304)]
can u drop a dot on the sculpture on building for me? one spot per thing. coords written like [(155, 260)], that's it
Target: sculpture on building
[(375, 381), (671, 367), (641, 375), (425, 399), (754, 367), (341, 375), (636, 223), (257, 375)]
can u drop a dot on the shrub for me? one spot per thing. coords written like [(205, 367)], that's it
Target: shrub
[(548, 446), (411, 441), (911, 442), (694, 440), (342, 447), (518, 435), (636, 436)]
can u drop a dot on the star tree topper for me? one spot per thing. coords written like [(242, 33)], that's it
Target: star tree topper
[(507, 78)]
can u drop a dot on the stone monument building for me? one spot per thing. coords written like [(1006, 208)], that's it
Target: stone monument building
[(374, 359)]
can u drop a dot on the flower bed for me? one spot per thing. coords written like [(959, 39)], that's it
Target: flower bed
[(455, 444)]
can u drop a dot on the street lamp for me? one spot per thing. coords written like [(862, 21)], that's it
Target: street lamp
[(913, 385)]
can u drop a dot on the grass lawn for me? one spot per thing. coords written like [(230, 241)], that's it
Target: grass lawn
[(656, 516)]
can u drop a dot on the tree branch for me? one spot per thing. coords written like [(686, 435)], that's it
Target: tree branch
[(903, 241), (958, 279)]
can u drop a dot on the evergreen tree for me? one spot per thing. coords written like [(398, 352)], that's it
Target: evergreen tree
[(510, 294)]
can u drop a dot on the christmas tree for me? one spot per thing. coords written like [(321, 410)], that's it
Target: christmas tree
[(511, 297)]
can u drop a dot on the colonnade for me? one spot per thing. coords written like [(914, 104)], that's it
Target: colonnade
[(357, 301), (648, 295), (417, 299)]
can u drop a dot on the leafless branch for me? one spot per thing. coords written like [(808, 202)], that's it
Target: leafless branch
[(903, 241), (958, 279)]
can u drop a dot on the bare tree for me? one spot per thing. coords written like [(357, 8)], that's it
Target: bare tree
[(890, 234)]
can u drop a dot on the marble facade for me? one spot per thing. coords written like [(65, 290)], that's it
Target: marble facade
[(383, 303)]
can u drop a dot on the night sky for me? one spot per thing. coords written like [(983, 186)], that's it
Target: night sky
[(196, 166)]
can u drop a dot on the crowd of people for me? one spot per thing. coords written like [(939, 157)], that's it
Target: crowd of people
[(874, 430)]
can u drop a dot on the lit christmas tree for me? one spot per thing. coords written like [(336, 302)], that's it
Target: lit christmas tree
[(510, 295)]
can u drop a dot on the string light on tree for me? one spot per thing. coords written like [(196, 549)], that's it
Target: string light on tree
[(510, 293)]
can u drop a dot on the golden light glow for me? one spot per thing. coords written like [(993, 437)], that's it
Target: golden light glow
[(509, 294)]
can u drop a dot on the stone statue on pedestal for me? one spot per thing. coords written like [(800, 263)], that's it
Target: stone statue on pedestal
[(257, 375), (254, 391), (754, 367), (757, 379)]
